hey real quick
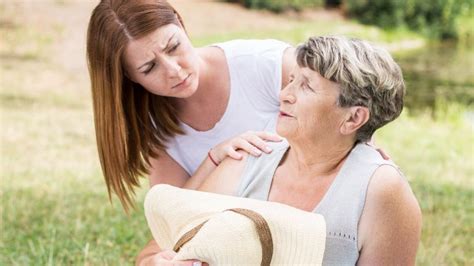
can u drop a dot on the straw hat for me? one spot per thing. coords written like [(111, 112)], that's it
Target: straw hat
[(226, 230)]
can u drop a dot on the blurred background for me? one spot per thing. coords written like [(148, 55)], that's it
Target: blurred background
[(54, 204)]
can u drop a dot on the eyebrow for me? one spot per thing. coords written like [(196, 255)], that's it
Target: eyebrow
[(308, 81), (164, 49)]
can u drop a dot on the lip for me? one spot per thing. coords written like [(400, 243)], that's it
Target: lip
[(183, 82), (283, 114)]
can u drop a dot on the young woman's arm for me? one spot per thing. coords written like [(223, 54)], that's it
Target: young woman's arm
[(165, 170), (216, 178), (390, 225)]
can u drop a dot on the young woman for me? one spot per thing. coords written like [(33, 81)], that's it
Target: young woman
[(160, 104)]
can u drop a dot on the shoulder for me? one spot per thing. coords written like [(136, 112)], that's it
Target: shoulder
[(390, 225), (225, 179), (389, 193), (387, 182)]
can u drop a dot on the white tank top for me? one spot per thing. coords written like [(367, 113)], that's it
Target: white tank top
[(255, 68)]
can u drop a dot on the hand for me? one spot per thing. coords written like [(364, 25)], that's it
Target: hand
[(384, 155), (253, 142), (165, 258)]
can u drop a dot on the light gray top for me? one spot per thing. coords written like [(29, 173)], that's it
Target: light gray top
[(342, 204)]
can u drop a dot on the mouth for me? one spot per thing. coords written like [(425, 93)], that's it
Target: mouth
[(181, 82), (283, 114)]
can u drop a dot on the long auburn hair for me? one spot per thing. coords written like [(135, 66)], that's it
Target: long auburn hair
[(131, 124)]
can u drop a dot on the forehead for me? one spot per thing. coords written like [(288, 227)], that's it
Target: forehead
[(142, 49), (305, 72)]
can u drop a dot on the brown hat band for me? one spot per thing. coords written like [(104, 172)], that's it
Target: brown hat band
[(263, 231)]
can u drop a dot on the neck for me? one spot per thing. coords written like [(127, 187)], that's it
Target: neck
[(316, 159)]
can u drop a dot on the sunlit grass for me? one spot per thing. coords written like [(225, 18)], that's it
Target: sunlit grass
[(54, 203), (295, 33)]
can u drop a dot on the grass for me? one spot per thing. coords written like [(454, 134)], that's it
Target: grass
[(54, 204), (296, 32)]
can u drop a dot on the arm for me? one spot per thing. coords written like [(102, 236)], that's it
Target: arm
[(146, 255), (165, 170), (390, 225), (250, 141), (225, 178)]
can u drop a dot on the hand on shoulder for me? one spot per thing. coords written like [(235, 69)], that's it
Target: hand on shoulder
[(252, 142)]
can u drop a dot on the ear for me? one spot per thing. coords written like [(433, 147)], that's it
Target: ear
[(356, 117)]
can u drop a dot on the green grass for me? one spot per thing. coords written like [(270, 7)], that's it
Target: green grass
[(437, 158), (296, 32), (54, 204)]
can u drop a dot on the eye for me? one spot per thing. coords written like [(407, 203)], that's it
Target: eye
[(149, 69), (174, 47), (307, 87), (290, 79)]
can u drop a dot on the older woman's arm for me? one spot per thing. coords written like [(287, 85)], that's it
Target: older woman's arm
[(390, 225)]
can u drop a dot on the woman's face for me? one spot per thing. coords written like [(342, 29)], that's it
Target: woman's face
[(164, 62), (308, 107)]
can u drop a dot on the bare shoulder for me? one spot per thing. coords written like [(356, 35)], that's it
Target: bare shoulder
[(390, 225), (225, 178), (388, 184), (288, 63)]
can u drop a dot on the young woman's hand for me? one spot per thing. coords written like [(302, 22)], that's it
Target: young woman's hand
[(165, 258), (253, 142), (384, 155)]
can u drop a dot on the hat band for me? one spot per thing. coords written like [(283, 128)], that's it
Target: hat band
[(263, 231)]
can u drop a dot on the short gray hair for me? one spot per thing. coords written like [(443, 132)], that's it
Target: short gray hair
[(367, 76)]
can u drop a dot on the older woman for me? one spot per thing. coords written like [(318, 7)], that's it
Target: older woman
[(340, 93)]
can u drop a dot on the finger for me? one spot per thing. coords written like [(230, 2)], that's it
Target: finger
[(383, 153), (232, 153), (245, 145), (259, 143), (269, 136), (187, 263), (167, 254)]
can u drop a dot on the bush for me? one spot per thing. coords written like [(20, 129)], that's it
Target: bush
[(435, 18), (279, 5)]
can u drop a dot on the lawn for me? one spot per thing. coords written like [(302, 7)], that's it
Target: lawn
[(55, 208)]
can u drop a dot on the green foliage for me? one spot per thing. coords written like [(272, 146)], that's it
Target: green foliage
[(437, 18), (278, 5)]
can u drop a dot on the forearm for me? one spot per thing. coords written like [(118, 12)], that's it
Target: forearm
[(145, 256), (204, 170)]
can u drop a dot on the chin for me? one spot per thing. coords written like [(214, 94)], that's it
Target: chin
[(190, 91), (283, 131)]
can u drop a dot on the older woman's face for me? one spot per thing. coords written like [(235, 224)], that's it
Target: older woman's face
[(309, 106), (164, 62)]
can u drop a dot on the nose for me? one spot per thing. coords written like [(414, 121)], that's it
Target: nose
[(171, 66), (286, 95)]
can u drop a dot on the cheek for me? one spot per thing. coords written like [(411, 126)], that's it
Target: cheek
[(153, 83), (319, 117)]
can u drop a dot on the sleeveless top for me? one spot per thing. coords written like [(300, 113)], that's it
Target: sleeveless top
[(255, 68), (342, 204)]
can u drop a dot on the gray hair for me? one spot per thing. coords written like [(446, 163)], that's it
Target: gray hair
[(367, 76)]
